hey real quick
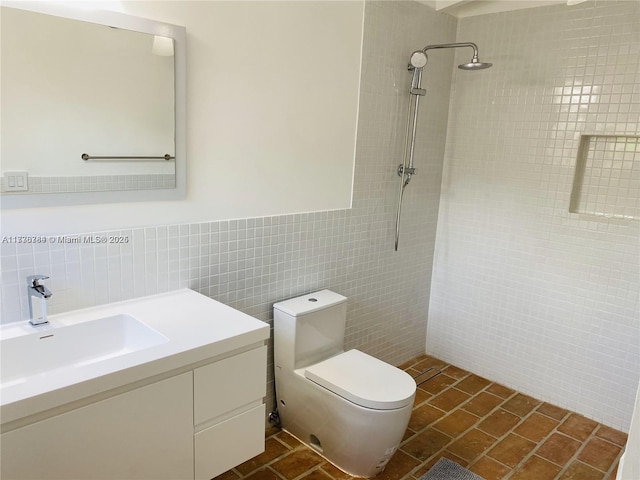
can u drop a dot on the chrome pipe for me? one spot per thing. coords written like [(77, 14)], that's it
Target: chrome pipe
[(406, 169), (474, 64), (453, 45), (398, 212), (415, 115)]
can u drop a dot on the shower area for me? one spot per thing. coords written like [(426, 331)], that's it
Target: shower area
[(518, 286), (417, 62)]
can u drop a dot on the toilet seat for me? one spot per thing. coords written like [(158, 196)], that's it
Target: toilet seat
[(364, 380)]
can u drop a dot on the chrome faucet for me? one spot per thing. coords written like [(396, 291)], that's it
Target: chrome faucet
[(36, 289)]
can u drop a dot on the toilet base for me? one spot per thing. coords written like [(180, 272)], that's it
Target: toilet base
[(351, 474), (359, 441)]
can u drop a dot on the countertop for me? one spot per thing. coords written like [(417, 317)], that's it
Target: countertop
[(197, 328)]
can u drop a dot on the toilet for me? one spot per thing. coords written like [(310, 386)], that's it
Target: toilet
[(350, 407)]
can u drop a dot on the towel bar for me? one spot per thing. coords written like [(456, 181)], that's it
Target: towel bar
[(86, 156)]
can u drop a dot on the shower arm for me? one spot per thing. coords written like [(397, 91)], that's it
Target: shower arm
[(453, 45)]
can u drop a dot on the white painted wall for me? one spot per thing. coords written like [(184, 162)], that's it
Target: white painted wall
[(272, 102)]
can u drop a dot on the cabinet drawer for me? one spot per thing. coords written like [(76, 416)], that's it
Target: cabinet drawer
[(229, 384), (228, 444)]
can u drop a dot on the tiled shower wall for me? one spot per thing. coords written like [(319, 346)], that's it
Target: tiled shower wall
[(252, 263), (525, 292)]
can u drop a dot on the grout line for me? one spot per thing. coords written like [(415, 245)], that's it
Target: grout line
[(540, 443), (268, 464), (504, 436), (591, 436), (615, 463), (531, 454), (460, 435), (572, 459)]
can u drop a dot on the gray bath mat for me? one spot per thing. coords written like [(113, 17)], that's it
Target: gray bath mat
[(445, 469)]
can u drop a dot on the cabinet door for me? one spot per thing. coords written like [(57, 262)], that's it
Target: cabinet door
[(146, 433), (228, 444)]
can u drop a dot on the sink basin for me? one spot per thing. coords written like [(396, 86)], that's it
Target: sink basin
[(52, 348), (88, 352)]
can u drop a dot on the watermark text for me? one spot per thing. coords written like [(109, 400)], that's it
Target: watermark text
[(65, 239)]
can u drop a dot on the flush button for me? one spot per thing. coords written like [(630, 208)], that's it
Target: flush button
[(313, 299)]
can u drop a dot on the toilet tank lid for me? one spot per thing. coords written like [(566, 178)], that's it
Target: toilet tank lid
[(310, 303)]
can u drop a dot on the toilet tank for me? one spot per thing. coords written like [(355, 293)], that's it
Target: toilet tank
[(309, 328)]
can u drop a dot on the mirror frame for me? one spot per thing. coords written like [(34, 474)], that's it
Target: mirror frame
[(126, 22)]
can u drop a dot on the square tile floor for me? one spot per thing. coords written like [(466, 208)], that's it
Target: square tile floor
[(492, 430)]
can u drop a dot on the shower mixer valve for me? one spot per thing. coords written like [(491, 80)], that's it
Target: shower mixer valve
[(406, 171)]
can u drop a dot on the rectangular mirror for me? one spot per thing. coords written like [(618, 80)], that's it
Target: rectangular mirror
[(92, 107)]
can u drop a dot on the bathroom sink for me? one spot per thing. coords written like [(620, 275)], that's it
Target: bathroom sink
[(88, 352), (52, 348)]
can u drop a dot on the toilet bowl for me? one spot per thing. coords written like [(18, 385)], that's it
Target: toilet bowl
[(350, 407)]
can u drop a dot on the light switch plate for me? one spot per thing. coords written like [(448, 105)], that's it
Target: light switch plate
[(16, 181)]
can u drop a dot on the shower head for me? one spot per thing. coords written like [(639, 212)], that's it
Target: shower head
[(474, 64), (418, 60)]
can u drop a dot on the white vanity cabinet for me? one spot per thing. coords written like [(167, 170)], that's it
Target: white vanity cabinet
[(196, 423), (142, 434), (229, 414)]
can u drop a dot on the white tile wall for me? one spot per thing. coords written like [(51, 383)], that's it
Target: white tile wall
[(252, 263), (524, 292), (98, 183)]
